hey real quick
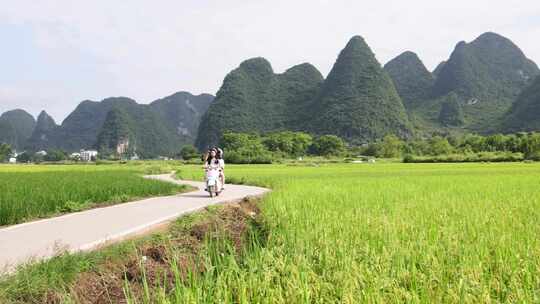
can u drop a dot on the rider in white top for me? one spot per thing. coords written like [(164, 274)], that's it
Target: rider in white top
[(211, 162)]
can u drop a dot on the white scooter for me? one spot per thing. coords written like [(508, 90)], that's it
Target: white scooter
[(213, 182)]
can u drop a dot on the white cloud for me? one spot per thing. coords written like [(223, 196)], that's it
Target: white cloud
[(147, 50)]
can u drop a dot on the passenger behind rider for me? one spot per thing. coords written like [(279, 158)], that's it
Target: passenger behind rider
[(221, 167)]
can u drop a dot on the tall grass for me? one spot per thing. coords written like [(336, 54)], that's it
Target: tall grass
[(28, 192)]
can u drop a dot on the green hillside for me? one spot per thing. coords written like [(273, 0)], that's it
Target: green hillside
[(525, 113), (45, 134), (486, 75), (16, 127), (411, 78), (255, 99), (358, 100), (182, 113), (115, 130)]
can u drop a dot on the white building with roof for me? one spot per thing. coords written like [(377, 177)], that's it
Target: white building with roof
[(88, 155), (41, 153)]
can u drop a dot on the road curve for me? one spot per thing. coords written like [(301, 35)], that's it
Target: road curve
[(89, 229)]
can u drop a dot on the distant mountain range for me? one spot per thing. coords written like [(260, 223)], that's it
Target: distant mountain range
[(159, 128), (485, 86), (357, 101)]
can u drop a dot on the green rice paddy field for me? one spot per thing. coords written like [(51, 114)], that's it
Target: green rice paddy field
[(30, 192), (389, 233), (370, 233)]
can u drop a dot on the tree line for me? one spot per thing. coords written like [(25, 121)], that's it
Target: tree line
[(256, 148), (52, 155), (249, 148), (464, 148), (253, 148)]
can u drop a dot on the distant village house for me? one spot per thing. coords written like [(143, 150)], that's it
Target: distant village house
[(88, 155), (41, 153)]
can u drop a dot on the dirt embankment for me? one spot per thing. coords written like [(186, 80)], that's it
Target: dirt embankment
[(169, 259)]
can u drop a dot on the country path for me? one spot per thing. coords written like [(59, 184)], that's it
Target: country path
[(89, 229)]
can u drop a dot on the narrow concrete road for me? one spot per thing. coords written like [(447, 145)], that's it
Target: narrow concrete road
[(89, 229)]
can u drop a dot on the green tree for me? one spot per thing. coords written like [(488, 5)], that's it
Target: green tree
[(244, 148), (390, 147), (292, 143), (439, 146), (5, 152), (496, 142), (370, 149), (231, 141), (189, 152), (24, 158), (474, 142), (328, 145), (417, 147), (513, 143), (55, 156), (37, 158), (531, 145)]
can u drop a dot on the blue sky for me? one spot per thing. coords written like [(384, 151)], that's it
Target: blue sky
[(57, 53)]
